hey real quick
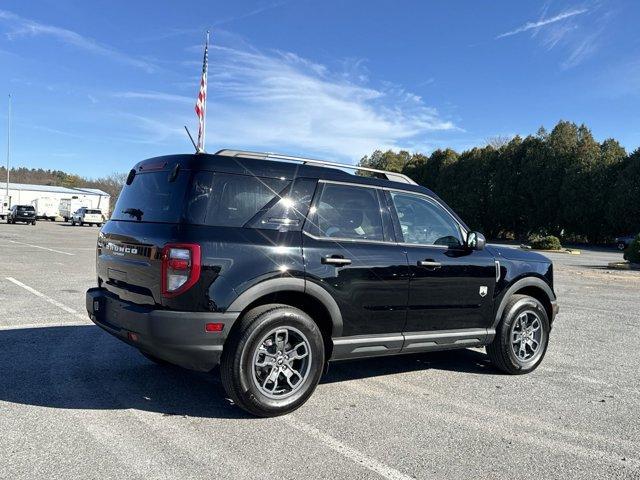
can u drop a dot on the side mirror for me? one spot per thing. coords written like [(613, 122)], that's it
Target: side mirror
[(476, 241)]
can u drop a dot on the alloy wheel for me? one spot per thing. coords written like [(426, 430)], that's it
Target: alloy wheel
[(527, 337), (281, 362)]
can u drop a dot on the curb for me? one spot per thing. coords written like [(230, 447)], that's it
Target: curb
[(568, 251), (624, 266)]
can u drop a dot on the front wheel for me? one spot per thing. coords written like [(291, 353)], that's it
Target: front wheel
[(272, 363), (522, 336)]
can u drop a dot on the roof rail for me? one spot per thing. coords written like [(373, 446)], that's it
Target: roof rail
[(393, 176)]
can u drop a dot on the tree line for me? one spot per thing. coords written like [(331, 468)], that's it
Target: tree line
[(561, 183)]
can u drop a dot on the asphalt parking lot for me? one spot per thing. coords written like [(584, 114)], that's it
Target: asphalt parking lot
[(76, 403)]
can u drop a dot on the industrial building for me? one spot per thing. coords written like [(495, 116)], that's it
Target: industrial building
[(65, 200)]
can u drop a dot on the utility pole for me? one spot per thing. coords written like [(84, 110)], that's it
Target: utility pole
[(8, 144)]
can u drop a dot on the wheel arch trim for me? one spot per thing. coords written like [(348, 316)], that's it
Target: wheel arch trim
[(519, 285), (300, 285)]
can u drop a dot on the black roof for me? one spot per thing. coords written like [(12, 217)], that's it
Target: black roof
[(267, 168)]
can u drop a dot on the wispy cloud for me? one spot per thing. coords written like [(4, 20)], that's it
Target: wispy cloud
[(21, 27), (543, 22), (275, 100), (578, 33), (281, 100)]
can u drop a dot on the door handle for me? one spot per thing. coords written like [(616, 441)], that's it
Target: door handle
[(338, 260), (429, 264)]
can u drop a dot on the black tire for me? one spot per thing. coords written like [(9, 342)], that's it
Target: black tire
[(73, 222), (81, 223), (501, 352), (156, 360), (33, 223), (237, 363)]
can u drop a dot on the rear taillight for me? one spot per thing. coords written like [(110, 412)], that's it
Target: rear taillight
[(180, 268)]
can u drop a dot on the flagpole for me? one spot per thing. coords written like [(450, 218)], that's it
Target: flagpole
[(204, 116), (8, 144)]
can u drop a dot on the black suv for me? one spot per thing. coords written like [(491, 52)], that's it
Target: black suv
[(22, 213), (272, 266)]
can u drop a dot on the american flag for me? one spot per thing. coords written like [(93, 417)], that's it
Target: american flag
[(201, 104)]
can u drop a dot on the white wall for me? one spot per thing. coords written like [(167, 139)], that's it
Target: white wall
[(25, 197)]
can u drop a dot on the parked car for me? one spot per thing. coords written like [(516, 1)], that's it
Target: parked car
[(623, 242), (271, 266), (22, 213), (87, 216)]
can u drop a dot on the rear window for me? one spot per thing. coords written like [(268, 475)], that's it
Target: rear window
[(216, 199), (26, 208), (229, 200), (96, 212), (151, 197)]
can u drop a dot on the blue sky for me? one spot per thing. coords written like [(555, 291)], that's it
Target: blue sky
[(98, 86)]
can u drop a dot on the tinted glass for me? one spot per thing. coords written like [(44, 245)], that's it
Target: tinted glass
[(289, 209), (425, 223), (345, 211), (26, 208), (93, 211), (229, 200), (152, 198)]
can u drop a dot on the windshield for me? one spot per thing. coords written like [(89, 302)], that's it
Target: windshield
[(151, 197)]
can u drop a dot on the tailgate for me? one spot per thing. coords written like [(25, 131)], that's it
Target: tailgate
[(129, 262)]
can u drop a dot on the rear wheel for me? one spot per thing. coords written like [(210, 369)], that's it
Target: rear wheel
[(272, 363), (73, 222), (522, 336)]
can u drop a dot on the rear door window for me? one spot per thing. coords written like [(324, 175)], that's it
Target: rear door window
[(230, 200), (348, 212)]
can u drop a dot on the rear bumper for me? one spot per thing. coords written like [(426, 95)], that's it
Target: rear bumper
[(177, 337)]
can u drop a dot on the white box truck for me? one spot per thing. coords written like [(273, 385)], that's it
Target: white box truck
[(5, 206), (46, 208)]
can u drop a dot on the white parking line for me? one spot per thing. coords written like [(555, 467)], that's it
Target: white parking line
[(351, 453), (43, 248), (4, 328), (48, 299)]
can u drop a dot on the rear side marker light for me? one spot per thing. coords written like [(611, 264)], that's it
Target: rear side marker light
[(133, 336), (213, 327), (180, 268)]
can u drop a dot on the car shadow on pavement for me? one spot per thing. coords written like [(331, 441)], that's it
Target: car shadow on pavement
[(81, 367), (463, 360)]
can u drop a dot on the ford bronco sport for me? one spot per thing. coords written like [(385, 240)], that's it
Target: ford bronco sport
[(271, 266)]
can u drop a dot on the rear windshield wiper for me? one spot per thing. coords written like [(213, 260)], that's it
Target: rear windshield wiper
[(134, 212)]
